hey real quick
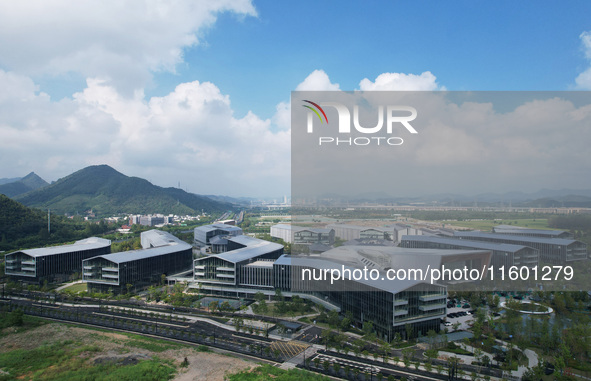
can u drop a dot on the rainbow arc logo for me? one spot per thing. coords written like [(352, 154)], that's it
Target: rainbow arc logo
[(315, 110)]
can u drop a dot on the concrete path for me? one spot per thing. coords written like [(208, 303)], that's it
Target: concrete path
[(68, 285)]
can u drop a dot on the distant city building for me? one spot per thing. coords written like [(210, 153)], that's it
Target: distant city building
[(518, 230), (552, 250), (349, 232), (54, 264), (503, 254), (134, 220), (228, 222), (152, 220), (161, 253), (400, 230), (302, 235)]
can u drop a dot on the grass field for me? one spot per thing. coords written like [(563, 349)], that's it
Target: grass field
[(43, 350), (487, 225), (78, 287)]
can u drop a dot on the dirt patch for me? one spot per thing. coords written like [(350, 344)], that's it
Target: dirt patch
[(52, 333), (205, 366), (121, 359)]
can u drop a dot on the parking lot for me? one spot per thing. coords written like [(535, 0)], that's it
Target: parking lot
[(457, 314)]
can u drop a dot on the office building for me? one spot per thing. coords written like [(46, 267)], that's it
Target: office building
[(53, 264), (162, 253)]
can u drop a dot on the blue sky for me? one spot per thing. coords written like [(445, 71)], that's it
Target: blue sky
[(175, 91), (467, 45)]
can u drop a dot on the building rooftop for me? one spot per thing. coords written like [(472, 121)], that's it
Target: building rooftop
[(519, 229), (208, 228), (297, 229), (133, 255), (254, 247), (516, 238), (157, 238), (268, 264), (317, 262), (361, 228), (464, 242), (85, 244), (154, 243)]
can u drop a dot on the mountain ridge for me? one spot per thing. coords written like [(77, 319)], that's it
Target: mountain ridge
[(23, 185), (104, 190)]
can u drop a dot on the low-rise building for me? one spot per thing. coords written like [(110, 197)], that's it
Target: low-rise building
[(53, 264), (161, 253)]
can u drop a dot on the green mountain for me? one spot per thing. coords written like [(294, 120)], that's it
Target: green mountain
[(21, 186), (106, 191)]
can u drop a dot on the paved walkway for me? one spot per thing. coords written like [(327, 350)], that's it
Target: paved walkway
[(67, 285)]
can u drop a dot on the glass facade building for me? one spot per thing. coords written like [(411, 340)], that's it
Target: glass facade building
[(557, 251), (162, 254), (53, 264)]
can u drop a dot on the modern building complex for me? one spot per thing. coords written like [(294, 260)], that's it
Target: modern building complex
[(162, 253), (246, 263), (204, 234), (303, 236), (54, 264), (518, 230), (503, 254), (251, 265), (551, 250)]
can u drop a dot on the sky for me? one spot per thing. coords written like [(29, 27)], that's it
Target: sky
[(198, 92)]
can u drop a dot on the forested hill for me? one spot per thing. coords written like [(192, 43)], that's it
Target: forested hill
[(22, 227), (106, 191), (21, 186)]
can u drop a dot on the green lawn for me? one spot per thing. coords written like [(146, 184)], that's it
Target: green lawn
[(69, 360), (487, 225), (78, 287)]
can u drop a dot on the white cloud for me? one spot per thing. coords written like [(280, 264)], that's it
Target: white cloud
[(583, 80), (426, 81), (124, 42), (317, 81), (190, 135)]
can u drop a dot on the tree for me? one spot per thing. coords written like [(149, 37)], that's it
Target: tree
[(336, 367), (385, 352), (15, 318), (396, 339), (431, 335), (409, 331)]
